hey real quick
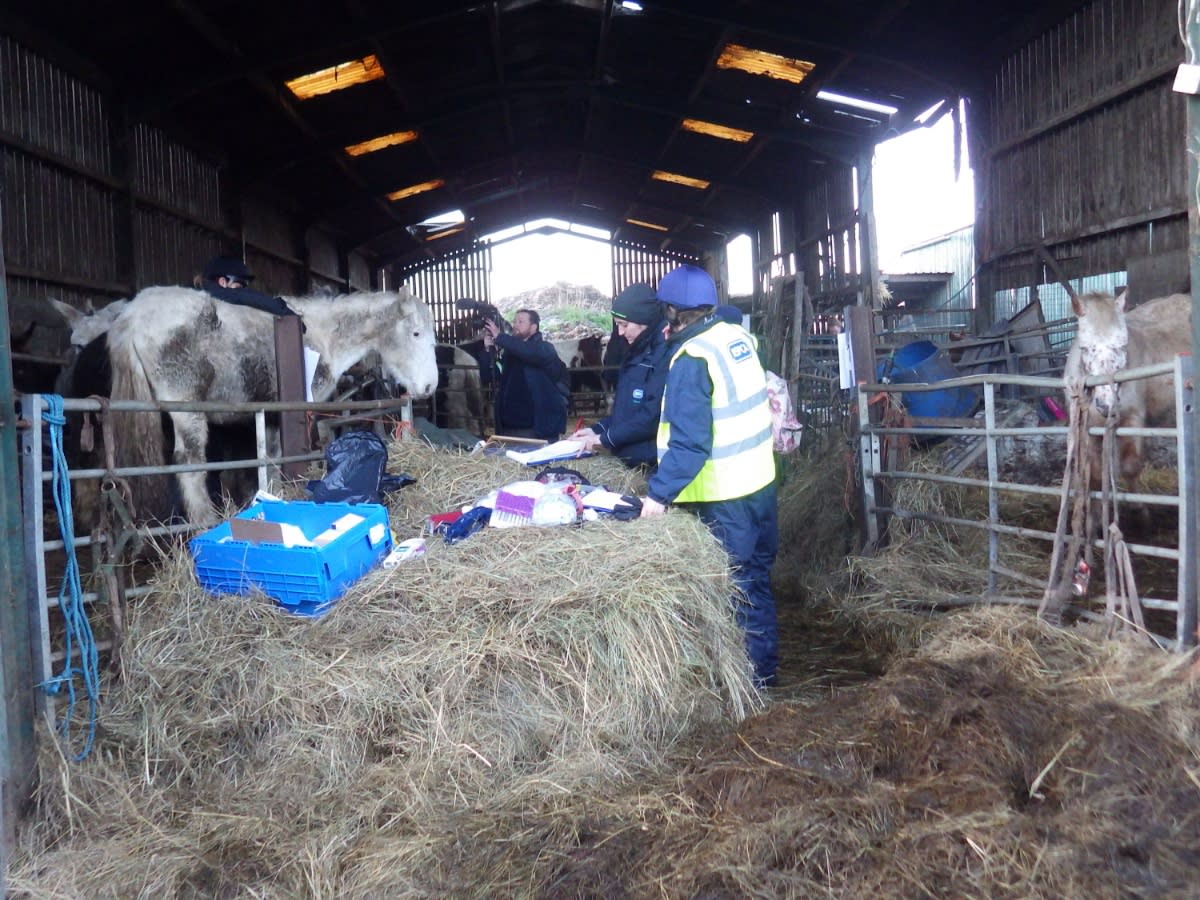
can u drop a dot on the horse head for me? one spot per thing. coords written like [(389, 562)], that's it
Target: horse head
[(1102, 340), (409, 355), (88, 324)]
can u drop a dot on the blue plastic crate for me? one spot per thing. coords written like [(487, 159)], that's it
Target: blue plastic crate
[(306, 580)]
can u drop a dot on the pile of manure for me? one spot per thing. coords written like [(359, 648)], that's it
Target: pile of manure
[(1003, 758)]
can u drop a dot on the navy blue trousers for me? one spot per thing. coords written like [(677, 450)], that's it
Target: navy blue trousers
[(748, 529)]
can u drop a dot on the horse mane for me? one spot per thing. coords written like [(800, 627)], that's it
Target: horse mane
[(367, 302)]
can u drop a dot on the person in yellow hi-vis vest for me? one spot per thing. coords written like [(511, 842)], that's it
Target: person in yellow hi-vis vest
[(715, 454)]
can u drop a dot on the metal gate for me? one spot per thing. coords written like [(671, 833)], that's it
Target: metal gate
[(106, 544), (879, 479)]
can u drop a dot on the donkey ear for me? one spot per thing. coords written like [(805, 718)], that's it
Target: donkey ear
[(1120, 301), (68, 312)]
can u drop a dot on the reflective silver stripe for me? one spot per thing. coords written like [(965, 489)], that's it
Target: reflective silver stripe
[(737, 463), (716, 352), (736, 409), (723, 452)]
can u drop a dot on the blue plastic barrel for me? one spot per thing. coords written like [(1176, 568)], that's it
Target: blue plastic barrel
[(923, 362)]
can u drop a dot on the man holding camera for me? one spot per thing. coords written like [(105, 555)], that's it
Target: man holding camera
[(532, 394)]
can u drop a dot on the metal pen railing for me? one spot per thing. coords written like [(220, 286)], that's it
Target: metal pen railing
[(873, 435)]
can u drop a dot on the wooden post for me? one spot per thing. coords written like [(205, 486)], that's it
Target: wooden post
[(18, 747), (289, 372), (869, 242)]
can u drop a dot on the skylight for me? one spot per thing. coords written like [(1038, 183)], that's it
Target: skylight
[(698, 183), (444, 220), (336, 78), (414, 189), (712, 129), (439, 226), (379, 143), (437, 235), (924, 117), (760, 62), (535, 225), (857, 102), (650, 225)]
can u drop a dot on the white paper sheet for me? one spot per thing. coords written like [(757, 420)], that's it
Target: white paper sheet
[(567, 449), (311, 358)]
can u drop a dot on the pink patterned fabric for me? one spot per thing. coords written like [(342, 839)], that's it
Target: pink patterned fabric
[(784, 426)]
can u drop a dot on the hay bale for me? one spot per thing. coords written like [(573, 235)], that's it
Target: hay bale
[(248, 751)]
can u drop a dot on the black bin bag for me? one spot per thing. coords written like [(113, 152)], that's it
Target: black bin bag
[(354, 464)]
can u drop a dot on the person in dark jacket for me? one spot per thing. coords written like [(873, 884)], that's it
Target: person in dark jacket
[(228, 278), (630, 431), (715, 450), (531, 397)]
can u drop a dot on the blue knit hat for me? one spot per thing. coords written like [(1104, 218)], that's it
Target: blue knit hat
[(687, 287)]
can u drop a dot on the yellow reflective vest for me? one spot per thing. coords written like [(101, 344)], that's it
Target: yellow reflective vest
[(742, 459)]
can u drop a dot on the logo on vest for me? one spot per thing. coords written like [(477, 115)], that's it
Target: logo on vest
[(638, 395), (740, 351)]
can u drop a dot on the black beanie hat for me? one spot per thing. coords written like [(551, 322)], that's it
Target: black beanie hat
[(637, 303)]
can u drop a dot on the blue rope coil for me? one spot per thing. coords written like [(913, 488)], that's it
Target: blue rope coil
[(70, 596)]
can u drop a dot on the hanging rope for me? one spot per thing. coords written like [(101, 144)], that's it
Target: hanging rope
[(1071, 549), (1123, 605), (1071, 559), (79, 639)]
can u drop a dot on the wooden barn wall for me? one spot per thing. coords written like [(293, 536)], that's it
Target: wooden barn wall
[(465, 274), (362, 276), (177, 214), (324, 262), (94, 212), (633, 263), (811, 261), (1079, 150), (827, 237), (60, 228), (330, 269), (468, 274), (271, 248)]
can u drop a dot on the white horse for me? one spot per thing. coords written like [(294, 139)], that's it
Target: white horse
[(178, 344), (1109, 340)]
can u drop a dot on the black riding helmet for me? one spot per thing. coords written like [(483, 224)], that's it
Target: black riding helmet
[(227, 267)]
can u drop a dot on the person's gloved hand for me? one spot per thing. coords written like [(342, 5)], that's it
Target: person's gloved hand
[(628, 508)]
